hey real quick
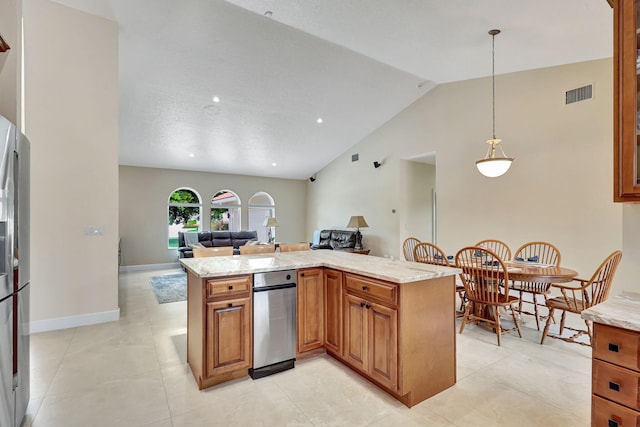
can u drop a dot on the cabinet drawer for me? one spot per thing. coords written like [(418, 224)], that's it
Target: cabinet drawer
[(228, 287), (615, 383), (608, 414), (366, 287), (618, 346)]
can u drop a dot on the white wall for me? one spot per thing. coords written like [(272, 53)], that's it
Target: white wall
[(71, 112), (10, 60), (144, 193), (559, 188)]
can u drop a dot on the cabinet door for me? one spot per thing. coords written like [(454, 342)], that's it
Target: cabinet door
[(333, 310), (383, 344), (228, 336), (310, 310), (355, 332), (626, 124)]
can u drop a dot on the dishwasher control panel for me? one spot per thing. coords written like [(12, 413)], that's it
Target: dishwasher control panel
[(271, 278)]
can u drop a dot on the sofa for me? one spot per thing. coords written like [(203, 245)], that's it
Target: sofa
[(210, 239), (334, 239)]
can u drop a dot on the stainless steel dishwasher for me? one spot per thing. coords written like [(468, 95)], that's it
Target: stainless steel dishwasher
[(274, 322)]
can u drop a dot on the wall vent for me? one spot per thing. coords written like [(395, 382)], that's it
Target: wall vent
[(354, 157), (579, 94)]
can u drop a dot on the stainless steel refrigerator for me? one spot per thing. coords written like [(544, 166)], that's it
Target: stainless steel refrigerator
[(14, 274)]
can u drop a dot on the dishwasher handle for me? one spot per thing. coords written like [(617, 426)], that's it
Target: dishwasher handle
[(274, 287)]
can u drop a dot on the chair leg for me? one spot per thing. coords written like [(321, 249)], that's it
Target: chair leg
[(467, 311), (546, 326), (546, 299), (520, 302), (562, 318), (515, 320), (496, 316), (588, 323), (535, 310)]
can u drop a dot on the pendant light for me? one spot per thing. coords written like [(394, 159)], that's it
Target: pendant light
[(492, 166)]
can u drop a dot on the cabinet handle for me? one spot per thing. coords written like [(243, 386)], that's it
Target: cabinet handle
[(301, 274), (362, 304), (364, 288), (612, 423), (230, 287), (614, 386), (368, 306), (230, 305), (614, 347)]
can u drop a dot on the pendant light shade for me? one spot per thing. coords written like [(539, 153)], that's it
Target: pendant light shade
[(493, 166)]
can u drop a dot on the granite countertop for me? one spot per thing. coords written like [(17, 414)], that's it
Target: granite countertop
[(396, 271), (622, 311)]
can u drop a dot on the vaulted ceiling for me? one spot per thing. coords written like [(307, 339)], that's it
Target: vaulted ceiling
[(275, 67)]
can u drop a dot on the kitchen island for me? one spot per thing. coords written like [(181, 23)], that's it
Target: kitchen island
[(391, 321)]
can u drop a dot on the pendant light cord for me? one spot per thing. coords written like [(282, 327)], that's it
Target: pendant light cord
[(493, 78)]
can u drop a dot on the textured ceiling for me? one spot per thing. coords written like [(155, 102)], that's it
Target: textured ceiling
[(355, 63)]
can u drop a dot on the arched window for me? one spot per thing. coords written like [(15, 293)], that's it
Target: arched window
[(261, 207), (183, 213), (225, 211)]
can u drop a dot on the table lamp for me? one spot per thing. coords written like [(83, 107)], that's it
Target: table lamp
[(270, 222), (357, 222)]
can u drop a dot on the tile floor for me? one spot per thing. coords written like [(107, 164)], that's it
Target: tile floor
[(133, 373)]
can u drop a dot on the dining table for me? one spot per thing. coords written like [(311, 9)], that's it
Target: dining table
[(535, 272), (525, 271)]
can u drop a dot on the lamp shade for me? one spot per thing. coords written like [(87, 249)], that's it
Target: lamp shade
[(357, 222), (494, 167), (270, 222)]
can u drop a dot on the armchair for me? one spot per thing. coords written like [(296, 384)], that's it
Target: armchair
[(588, 293)]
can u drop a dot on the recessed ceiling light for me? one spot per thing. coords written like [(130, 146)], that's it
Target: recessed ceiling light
[(216, 99), (268, 14), (274, 164), (319, 120), (191, 155)]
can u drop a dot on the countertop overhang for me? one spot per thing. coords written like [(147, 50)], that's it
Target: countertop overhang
[(622, 311), (396, 271)]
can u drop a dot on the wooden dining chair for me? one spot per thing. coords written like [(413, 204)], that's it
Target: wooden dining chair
[(407, 247), (486, 284), (293, 247), (587, 294), (498, 247), (209, 252), (257, 249), (543, 253), (429, 253)]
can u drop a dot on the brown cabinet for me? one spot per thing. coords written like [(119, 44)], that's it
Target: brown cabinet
[(228, 336), (401, 335), (333, 311), (615, 377), (626, 93), (219, 328), (371, 343), (310, 315)]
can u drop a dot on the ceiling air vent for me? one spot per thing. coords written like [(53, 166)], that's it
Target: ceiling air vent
[(579, 94)]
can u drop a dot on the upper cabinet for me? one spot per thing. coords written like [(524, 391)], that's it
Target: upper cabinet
[(626, 63)]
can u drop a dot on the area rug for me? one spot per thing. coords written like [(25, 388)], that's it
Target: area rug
[(170, 287)]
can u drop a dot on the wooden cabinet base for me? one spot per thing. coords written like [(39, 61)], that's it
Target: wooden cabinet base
[(310, 353), (410, 399), (220, 378)]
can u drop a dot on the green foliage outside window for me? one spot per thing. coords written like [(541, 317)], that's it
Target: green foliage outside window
[(187, 215), (219, 218)]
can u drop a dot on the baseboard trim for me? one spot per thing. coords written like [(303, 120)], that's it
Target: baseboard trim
[(73, 321), (149, 266)]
